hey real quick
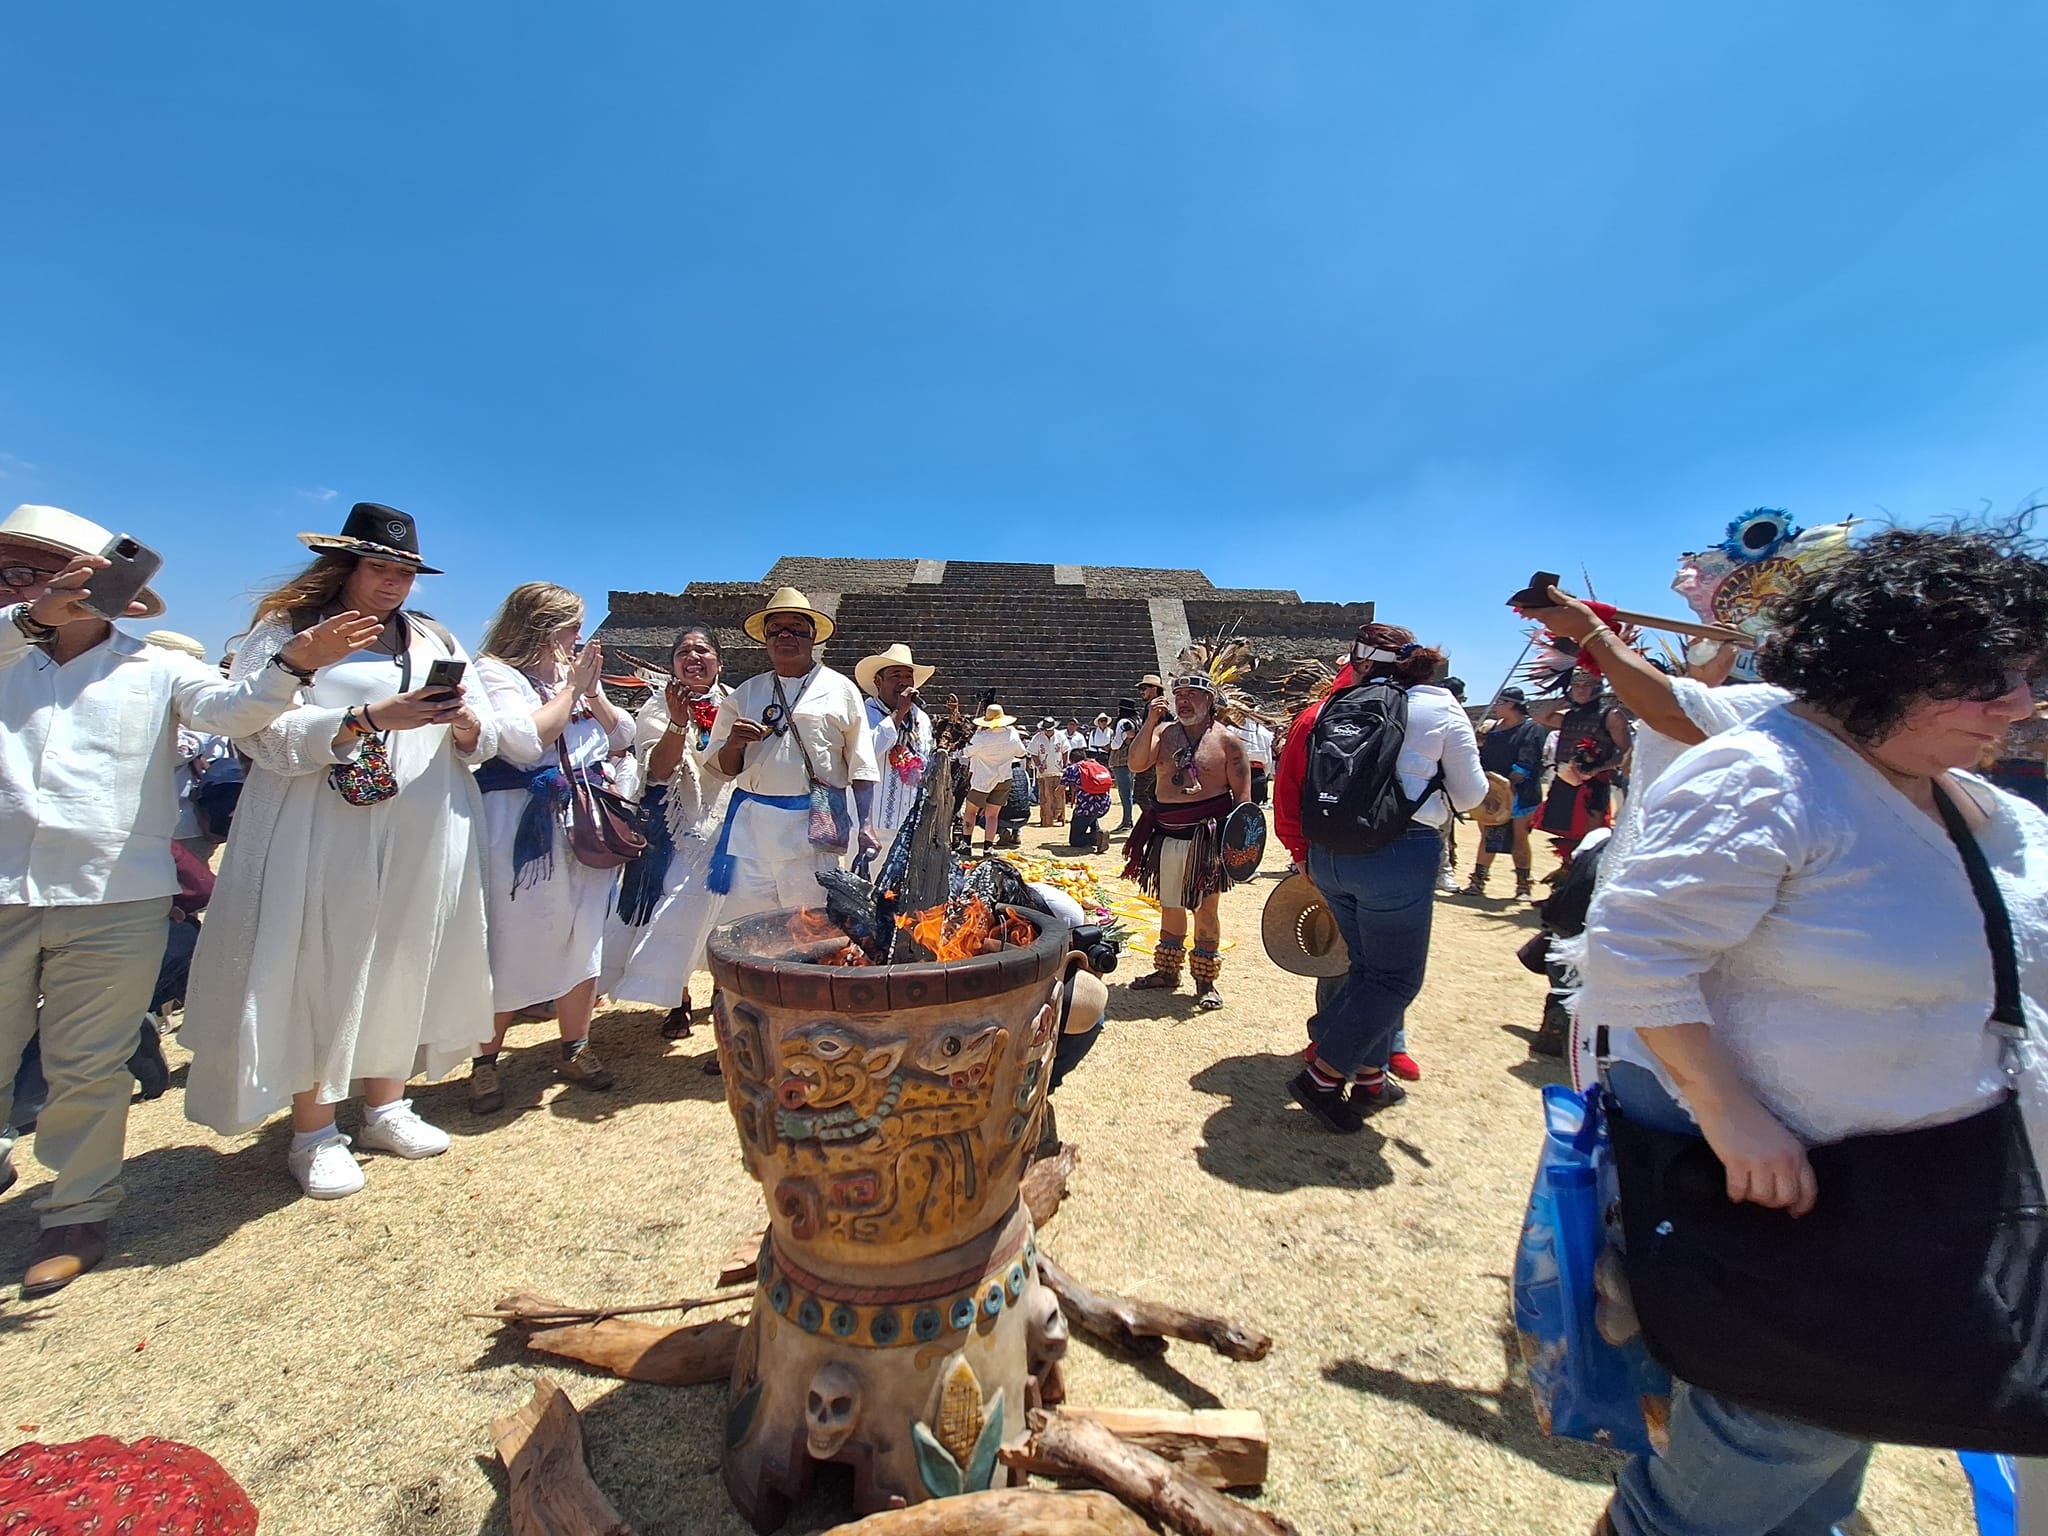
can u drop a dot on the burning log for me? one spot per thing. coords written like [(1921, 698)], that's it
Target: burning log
[(552, 1493), (1218, 1447), (1142, 1327), (1005, 1512), (687, 1355), (1077, 1447), (1045, 1184)]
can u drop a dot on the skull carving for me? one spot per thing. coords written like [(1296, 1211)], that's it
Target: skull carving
[(831, 1409), (1047, 1340)]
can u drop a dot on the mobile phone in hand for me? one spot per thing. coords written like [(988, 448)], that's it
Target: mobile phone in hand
[(130, 564), (444, 679)]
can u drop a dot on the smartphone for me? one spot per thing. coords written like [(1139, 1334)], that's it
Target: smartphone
[(444, 678), (130, 564), (1537, 593)]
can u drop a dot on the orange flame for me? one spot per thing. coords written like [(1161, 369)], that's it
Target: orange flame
[(962, 930)]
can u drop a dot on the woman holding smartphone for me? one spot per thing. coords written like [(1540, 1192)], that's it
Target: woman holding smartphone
[(655, 939), (547, 911), (345, 941)]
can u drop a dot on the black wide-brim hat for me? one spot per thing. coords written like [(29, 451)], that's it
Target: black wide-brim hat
[(378, 531)]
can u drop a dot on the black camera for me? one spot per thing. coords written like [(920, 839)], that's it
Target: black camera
[(1087, 940)]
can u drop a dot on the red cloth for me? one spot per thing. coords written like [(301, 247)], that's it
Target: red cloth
[(151, 1488), (195, 881), (1293, 765)]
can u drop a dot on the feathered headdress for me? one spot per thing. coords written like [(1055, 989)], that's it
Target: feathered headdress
[(1226, 663), (1763, 556)]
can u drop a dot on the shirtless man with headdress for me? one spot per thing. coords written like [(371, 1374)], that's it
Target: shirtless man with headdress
[(1200, 774)]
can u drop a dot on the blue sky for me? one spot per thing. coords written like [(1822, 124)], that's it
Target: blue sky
[(1373, 301)]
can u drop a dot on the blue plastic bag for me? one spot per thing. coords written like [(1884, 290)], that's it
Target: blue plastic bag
[(1584, 1387), (1991, 1491)]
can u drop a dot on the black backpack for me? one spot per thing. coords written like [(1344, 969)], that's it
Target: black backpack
[(1351, 800)]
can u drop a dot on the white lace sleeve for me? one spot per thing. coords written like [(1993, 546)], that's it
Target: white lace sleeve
[(1720, 833), (479, 704), (509, 702), (299, 741)]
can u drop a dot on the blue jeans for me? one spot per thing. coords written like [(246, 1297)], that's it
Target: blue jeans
[(1729, 1470), (1122, 775), (1382, 903)]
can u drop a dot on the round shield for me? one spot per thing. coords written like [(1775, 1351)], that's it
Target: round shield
[(1498, 807), (1244, 842)]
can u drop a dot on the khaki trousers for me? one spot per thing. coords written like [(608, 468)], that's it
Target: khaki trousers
[(94, 968)]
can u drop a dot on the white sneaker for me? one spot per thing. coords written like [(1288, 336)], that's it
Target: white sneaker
[(325, 1170), (1448, 884), (404, 1133)]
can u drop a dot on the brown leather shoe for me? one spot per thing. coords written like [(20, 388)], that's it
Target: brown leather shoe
[(585, 1070), (486, 1093), (62, 1255)]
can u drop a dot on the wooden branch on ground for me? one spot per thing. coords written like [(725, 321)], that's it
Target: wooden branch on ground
[(529, 1310), (1045, 1184), (1077, 1447), (1219, 1447), (552, 1492), (1005, 1512), (743, 1265), (1139, 1326), (686, 1355)]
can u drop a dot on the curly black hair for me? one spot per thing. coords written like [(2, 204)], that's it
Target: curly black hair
[(1912, 614)]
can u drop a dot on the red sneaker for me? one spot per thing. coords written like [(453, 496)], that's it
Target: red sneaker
[(1404, 1066)]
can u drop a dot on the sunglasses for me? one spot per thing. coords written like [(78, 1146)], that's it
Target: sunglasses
[(789, 632), (26, 575)]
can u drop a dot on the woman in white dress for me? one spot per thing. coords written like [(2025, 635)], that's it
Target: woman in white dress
[(345, 941), (547, 910), (655, 939)]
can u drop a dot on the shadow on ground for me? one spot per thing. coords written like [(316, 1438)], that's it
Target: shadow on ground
[(1260, 1141), (214, 1194), (1501, 1416), (647, 1070)]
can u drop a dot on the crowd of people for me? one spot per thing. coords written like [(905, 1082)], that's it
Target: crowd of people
[(1776, 942)]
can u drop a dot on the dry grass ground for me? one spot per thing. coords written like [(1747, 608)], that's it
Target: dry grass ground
[(320, 1352)]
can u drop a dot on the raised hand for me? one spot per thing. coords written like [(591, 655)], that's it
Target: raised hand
[(331, 639), (587, 668)]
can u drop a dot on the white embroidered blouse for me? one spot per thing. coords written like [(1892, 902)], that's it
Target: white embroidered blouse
[(1781, 891)]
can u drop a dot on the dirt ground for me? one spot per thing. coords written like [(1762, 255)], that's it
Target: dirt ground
[(320, 1351)]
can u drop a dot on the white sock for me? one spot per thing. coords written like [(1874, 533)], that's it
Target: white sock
[(375, 1113), (305, 1141)]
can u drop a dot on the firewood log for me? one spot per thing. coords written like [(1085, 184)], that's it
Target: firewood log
[(552, 1492), (1005, 1512), (1077, 1447), (1137, 1326), (1045, 1184), (743, 1263), (682, 1356), (1219, 1447)]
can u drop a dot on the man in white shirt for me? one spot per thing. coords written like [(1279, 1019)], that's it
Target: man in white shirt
[(1046, 752), (1099, 737), (775, 735), (903, 735), (89, 722), (1257, 737)]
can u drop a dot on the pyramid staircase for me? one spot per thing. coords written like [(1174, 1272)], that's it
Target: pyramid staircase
[(1044, 648)]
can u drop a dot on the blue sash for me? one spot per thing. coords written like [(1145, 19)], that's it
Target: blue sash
[(533, 844), (718, 877)]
